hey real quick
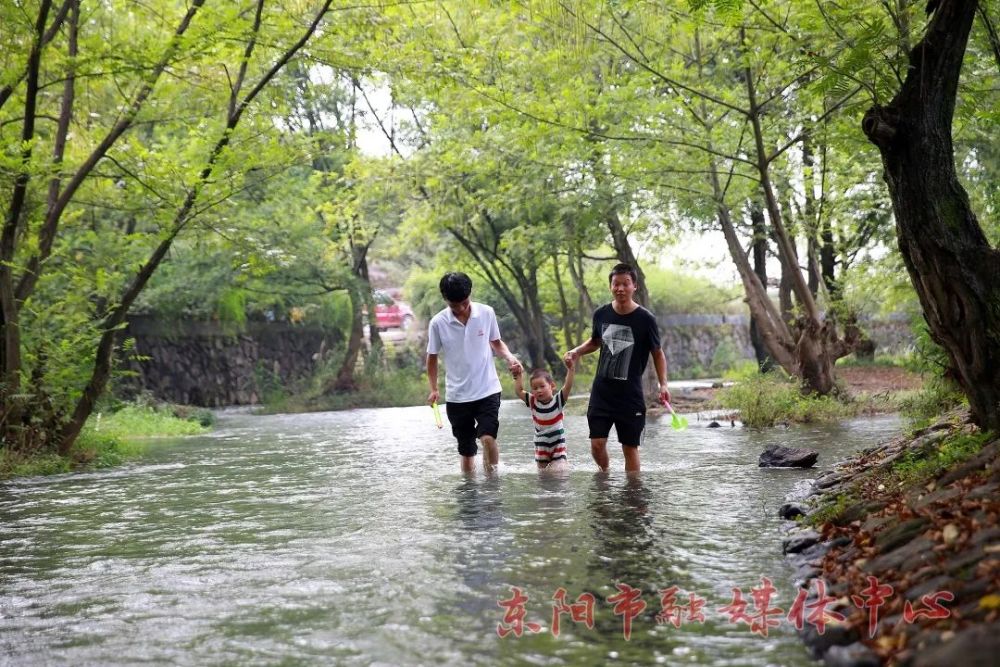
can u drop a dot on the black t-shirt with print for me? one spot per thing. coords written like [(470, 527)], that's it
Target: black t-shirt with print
[(626, 342)]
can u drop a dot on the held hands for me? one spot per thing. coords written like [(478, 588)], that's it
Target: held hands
[(515, 368), (569, 358)]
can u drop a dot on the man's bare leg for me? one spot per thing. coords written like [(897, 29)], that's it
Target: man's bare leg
[(599, 450), (491, 453), (468, 464), (631, 458)]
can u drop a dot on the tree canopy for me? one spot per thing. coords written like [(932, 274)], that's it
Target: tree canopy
[(204, 159)]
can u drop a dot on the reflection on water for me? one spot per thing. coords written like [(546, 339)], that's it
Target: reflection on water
[(351, 539), (622, 526)]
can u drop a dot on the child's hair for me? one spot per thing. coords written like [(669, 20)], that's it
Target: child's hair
[(541, 373)]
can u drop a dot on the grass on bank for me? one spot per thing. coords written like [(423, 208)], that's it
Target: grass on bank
[(914, 469), (108, 439), (766, 399)]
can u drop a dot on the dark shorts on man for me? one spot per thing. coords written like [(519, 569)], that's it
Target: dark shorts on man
[(474, 420), (628, 427)]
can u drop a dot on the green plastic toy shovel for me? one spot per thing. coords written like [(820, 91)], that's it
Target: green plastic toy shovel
[(676, 421), (437, 415)]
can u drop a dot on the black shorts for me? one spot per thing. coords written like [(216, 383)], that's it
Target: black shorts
[(473, 420), (628, 426)]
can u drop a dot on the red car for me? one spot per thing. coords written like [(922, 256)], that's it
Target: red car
[(390, 313)]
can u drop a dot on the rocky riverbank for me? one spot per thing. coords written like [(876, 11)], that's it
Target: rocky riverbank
[(905, 539)]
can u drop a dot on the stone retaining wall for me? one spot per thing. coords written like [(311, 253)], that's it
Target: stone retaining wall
[(699, 344), (201, 363)]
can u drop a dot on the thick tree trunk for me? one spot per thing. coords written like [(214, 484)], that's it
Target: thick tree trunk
[(817, 345), (953, 268), (772, 329)]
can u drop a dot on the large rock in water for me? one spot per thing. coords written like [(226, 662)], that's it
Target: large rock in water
[(777, 456)]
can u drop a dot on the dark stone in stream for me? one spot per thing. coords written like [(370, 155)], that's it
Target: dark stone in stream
[(799, 542), (777, 456), (852, 655), (835, 634), (791, 510)]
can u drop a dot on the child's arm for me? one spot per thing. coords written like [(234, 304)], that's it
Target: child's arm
[(570, 374)]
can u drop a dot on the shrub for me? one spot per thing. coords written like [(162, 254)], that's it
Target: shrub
[(766, 399)]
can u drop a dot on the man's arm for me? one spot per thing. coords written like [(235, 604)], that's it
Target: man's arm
[(660, 364), (500, 349), (432, 378), (592, 345)]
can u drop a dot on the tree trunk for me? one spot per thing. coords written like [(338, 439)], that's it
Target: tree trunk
[(10, 357), (772, 329), (585, 305), (817, 345), (104, 353), (953, 268), (344, 381), (563, 304), (764, 361)]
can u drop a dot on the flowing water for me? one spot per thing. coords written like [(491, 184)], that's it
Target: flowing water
[(350, 538)]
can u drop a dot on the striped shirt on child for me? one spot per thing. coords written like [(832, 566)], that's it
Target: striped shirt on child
[(550, 436)]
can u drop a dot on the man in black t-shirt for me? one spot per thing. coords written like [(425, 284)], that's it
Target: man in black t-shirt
[(626, 334)]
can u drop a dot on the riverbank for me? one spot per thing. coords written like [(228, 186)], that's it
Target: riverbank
[(108, 439), (876, 388), (918, 514)]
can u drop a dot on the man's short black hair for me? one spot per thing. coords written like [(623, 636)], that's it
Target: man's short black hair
[(455, 286), (623, 269)]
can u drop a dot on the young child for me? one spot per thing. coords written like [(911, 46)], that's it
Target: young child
[(546, 406)]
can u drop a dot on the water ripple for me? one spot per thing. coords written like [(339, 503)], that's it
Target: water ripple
[(350, 538)]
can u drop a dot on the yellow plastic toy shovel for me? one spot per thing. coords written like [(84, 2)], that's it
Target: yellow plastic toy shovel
[(676, 421), (437, 415)]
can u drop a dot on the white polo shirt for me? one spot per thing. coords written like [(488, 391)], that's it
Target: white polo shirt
[(470, 373)]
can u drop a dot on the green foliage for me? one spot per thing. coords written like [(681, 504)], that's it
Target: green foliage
[(937, 396), (771, 398), (108, 439), (831, 510), (15, 464), (139, 421), (674, 292), (918, 466)]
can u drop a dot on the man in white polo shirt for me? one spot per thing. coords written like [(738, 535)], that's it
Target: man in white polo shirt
[(467, 334)]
